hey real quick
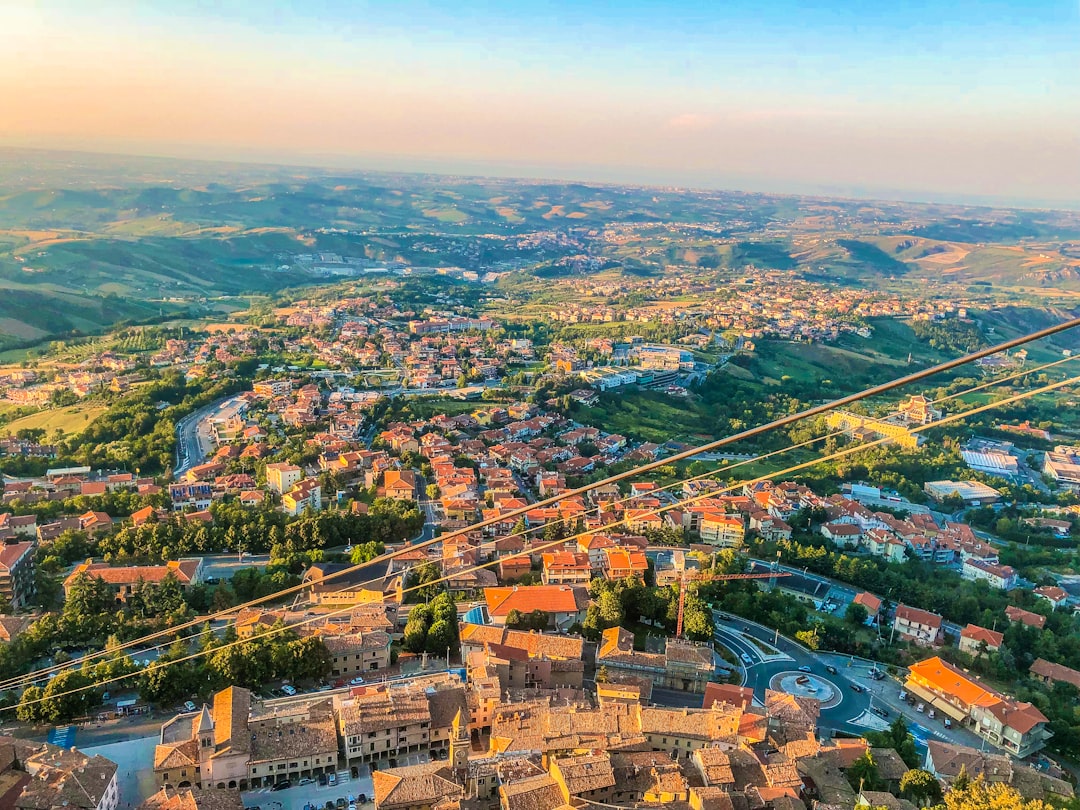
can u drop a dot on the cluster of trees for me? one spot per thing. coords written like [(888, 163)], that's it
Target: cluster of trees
[(952, 336), (628, 602), (912, 582), (278, 654), (256, 530), (432, 627)]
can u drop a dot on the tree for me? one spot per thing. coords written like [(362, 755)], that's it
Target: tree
[(420, 583), (809, 638), (440, 637), (697, 618), (977, 795), (856, 614), (66, 696), (29, 709), (863, 773), (920, 787)]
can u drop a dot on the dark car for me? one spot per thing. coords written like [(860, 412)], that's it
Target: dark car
[(281, 786), (880, 712), (856, 688), (724, 617), (362, 798), (830, 669), (322, 780)]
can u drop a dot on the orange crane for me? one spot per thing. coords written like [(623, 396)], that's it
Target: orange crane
[(714, 578)]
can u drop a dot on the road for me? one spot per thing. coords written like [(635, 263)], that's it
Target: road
[(223, 566), (850, 714), (193, 436)]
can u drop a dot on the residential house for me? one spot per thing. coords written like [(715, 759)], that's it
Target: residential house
[(1014, 726), (400, 485), (564, 604), (304, 496), (1050, 673), (1053, 594), (975, 640), (126, 580), (1015, 614), (725, 531), (566, 568), (1001, 577), (17, 586), (917, 626), (282, 476)]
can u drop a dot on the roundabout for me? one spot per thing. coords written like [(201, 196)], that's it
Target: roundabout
[(807, 685)]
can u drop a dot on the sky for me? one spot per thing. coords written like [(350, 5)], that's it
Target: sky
[(956, 99)]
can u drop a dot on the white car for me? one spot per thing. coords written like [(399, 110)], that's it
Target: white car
[(189, 706)]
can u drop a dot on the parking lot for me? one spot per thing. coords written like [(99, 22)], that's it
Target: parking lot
[(313, 794)]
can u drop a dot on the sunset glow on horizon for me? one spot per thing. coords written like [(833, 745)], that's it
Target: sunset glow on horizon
[(960, 100)]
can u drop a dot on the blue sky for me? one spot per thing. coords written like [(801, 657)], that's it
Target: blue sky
[(941, 99)]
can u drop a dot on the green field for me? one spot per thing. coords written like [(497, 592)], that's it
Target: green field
[(69, 420)]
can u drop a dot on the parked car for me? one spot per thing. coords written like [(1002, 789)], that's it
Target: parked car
[(902, 695), (307, 780), (877, 674), (322, 780), (356, 681), (805, 668), (331, 779), (362, 798), (948, 723), (281, 786), (340, 803), (189, 706), (931, 714), (289, 690), (921, 708), (831, 669), (856, 688)]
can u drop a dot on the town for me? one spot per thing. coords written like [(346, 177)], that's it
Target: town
[(375, 556)]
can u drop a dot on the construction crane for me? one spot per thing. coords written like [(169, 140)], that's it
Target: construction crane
[(683, 581)]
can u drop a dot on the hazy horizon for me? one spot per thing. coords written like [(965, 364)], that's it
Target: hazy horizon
[(973, 103)]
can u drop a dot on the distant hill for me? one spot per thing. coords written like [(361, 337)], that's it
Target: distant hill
[(87, 241)]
